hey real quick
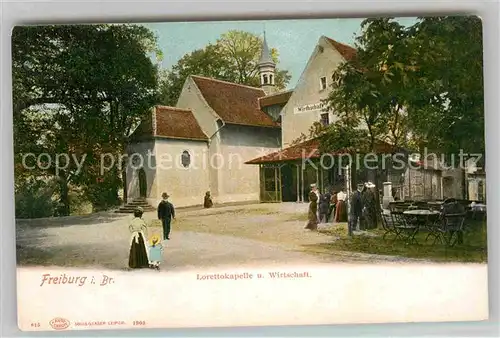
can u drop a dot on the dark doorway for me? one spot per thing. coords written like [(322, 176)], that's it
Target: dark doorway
[(288, 184), (143, 187)]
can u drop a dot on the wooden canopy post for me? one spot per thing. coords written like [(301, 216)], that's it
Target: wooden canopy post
[(298, 183), (281, 185), (275, 184), (262, 183), (302, 182)]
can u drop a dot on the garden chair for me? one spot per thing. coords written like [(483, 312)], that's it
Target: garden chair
[(399, 207), (453, 228), (434, 228), (453, 221), (434, 206), (406, 227), (388, 225)]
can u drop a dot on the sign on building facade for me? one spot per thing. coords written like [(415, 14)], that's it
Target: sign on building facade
[(309, 108)]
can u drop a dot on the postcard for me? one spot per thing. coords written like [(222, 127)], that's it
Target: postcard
[(249, 173)]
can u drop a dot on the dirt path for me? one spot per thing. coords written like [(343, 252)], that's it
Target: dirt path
[(239, 236)]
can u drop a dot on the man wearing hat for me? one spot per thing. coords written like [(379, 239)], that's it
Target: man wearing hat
[(166, 212), (369, 206), (356, 209)]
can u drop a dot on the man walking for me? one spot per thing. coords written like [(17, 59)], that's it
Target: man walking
[(166, 213)]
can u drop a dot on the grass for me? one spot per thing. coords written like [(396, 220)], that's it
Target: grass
[(474, 248), (287, 229)]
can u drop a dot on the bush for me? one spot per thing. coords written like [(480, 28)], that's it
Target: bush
[(34, 199)]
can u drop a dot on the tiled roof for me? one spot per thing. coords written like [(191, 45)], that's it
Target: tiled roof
[(144, 130), (177, 123), (308, 149), (170, 122), (234, 103), (346, 51), (278, 98)]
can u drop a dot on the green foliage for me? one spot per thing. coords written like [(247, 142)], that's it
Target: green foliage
[(79, 90), (474, 248), (418, 86), (366, 88), (103, 193), (34, 199), (234, 58), (446, 103)]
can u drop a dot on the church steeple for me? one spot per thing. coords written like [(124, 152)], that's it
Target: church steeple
[(266, 69)]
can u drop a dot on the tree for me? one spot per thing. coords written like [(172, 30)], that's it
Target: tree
[(234, 58), (423, 81), (89, 85), (446, 100), (368, 89)]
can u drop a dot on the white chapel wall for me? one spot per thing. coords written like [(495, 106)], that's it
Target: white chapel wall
[(191, 98), (185, 185)]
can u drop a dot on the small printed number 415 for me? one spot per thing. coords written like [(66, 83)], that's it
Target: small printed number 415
[(35, 324)]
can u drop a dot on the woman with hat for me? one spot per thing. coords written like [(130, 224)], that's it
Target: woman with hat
[(341, 208), (312, 215), (138, 256)]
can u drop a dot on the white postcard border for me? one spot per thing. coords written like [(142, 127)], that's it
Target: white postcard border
[(23, 12)]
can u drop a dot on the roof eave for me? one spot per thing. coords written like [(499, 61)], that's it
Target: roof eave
[(181, 138), (252, 125)]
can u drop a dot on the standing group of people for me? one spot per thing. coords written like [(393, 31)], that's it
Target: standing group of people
[(331, 207), (326, 208), (140, 256)]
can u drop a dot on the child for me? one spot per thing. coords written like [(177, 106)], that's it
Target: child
[(155, 252)]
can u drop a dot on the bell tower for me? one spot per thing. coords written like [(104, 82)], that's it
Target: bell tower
[(267, 69)]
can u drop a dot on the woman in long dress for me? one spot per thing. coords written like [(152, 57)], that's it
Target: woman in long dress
[(341, 210), (138, 256), (312, 215), (333, 207)]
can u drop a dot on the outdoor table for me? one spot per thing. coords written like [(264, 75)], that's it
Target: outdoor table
[(416, 219), (421, 212)]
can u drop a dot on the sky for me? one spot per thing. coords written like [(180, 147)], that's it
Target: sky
[(294, 39)]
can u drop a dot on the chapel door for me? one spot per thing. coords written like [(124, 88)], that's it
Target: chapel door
[(143, 187)]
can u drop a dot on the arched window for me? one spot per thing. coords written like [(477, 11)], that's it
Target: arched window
[(271, 79), (185, 159), (264, 77)]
